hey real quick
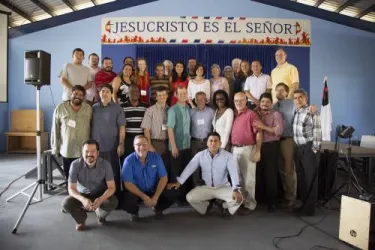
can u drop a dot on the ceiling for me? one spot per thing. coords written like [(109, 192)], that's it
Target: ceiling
[(359, 9), (29, 11)]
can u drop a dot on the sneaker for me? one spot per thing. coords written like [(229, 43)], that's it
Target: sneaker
[(134, 217), (80, 227)]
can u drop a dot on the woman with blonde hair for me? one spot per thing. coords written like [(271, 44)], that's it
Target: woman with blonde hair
[(142, 78)]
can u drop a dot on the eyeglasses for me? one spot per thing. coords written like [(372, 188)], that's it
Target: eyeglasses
[(140, 144)]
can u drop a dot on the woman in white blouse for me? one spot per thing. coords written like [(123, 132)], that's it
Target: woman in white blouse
[(199, 83), (223, 118)]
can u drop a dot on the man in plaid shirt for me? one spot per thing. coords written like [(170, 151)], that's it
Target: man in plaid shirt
[(307, 135)]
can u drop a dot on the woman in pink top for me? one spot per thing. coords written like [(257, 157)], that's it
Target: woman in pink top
[(218, 82), (142, 77), (179, 78)]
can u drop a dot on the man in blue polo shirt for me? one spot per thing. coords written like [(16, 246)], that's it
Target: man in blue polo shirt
[(145, 178)]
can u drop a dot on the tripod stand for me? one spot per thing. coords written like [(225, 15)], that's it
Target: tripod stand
[(352, 180)]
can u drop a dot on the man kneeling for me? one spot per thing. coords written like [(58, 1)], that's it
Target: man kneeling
[(215, 164), (91, 186), (144, 178)]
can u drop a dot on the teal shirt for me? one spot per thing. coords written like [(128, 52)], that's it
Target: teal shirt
[(179, 120)]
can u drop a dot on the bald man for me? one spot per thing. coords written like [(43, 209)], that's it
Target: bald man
[(246, 141), (284, 72)]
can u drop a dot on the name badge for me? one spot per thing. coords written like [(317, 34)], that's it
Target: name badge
[(143, 92), (153, 166), (200, 121), (164, 127), (72, 123)]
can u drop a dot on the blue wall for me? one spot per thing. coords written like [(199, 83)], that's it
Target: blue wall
[(3, 124), (343, 54)]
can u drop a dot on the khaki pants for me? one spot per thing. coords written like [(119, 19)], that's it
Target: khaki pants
[(199, 198), (75, 208), (247, 171), (286, 168)]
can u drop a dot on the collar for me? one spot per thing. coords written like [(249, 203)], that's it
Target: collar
[(302, 108), (160, 107), (137, 156), (242, 112), (87, 166), (180, 105), (208, 153), (109, 104), (284, 65), (261, 74)]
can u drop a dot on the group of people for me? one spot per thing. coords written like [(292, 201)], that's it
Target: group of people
[(128, 138)]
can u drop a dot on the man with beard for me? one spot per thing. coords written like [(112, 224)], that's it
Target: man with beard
[(105, 75), (272, 126), (108, 128), (192, 63), (75, 74), (71, 127), (159, 81), (91, 187), (94, 69)]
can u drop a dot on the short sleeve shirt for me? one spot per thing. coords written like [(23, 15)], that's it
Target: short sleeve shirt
[(76, 75), (179, 121)]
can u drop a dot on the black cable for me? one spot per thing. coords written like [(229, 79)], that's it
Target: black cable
[(2, 192), (52, 96), (279, 238), (322, 247)]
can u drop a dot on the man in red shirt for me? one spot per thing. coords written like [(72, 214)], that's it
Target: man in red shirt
[(246, 142), (272, 126), (105, 75)]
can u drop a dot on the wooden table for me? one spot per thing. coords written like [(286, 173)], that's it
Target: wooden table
[(357, 151)]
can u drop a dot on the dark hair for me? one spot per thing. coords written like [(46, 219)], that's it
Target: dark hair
[(159, 65), (79, 88), (265, 95), (91, 142), (214, 134), (241, 74), (93, 54), (197, 67), (127, 64), (106, 85), (161, 89), (106, 58), (78, 50), (128, 57), (192, 58), (134, 85), (180, 87), (184, 74), (300, 91), (226, 97), (282, 49), (257, 62), (286, 87)]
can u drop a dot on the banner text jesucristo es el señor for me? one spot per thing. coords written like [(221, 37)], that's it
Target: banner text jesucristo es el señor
[(206, 30)]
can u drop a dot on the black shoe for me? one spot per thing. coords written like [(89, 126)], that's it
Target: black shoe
[(158, 214), (210, 206), (134, 217), (225, 213), (271, 208), (244, 211)]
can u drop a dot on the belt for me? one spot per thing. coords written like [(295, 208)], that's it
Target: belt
[(283, 138), (240, 145), (270, 142), (197, 139), (162, 140)]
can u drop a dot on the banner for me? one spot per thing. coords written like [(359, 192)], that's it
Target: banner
[(206, 30)]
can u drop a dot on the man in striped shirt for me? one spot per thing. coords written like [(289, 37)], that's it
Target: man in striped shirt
[(134, 112), (159, 81), (307, 135)]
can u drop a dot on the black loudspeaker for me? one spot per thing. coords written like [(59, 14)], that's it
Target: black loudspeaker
[(357, 223), (37, 67)]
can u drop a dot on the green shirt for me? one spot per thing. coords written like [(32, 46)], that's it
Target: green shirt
[(70, 129), (179, 120)]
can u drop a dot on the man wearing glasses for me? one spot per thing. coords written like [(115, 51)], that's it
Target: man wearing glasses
[(246, 142), (145, 178)]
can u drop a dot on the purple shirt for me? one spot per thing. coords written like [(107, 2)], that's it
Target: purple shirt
[(274, 120), (243, 132)]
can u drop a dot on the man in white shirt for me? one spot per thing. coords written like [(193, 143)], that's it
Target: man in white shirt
[(75, 74), (215, 163), (91, 94), (256, 85)]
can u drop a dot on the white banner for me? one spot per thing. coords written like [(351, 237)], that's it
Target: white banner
[(206, 30)]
